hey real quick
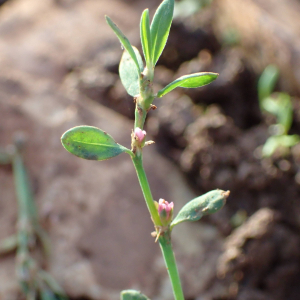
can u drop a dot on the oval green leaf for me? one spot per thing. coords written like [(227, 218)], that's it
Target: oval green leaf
[(206, 204), (129, 76), (124, 41), (160, 28), (133, 295), (146, 37), (189, 81), (91, 143)]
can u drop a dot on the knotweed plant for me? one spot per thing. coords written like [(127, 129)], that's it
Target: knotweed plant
[(92, 143), (35, 281)]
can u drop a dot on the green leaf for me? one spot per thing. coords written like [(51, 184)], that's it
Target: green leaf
[(285, 113), (160, 28), (274, 142), (91, 143), (23, 189), (187, 8), (206, 204), (267, 82), (132, 295), (280, 105), (146, 37), (189, 81), (129, 76), (124, 41), (271, 105)]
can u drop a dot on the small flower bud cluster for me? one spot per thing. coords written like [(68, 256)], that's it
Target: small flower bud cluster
[(165, 210), (138, 138), (139, 134)]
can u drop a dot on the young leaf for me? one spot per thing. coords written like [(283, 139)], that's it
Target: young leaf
[(91, 143), (124, 41), (206, 204), (132, 295), (189, 81), (280, 106), (129, 76), (271, 105), (267, 82), (146, 37), (285, 113), (160, 28), (277, 141)]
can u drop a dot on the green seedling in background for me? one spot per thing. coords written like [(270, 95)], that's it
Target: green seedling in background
[(132, 295), (35, 282), (187, 8), (280, 106), (94, 144)]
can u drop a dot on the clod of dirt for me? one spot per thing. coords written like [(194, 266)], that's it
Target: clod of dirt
[(262, 252)]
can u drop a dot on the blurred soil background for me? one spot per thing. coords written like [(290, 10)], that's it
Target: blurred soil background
[(59, 68)]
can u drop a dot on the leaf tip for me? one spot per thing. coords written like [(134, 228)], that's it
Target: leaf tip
[(214, 75), (225, 194), (109, 21)]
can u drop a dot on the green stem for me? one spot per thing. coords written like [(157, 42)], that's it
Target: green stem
[(26, 206), (167, 250), (143, 101), (28, 216), (140, 117), (138, 164), (165, 238)]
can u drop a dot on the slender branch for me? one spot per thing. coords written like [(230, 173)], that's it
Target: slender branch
[(28, 216), (22, 188), (167, 250), (165, 238), (138, 164)]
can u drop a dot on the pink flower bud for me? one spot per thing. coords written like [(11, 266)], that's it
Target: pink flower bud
[(139, 133), (169, 207), (165, 210)]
